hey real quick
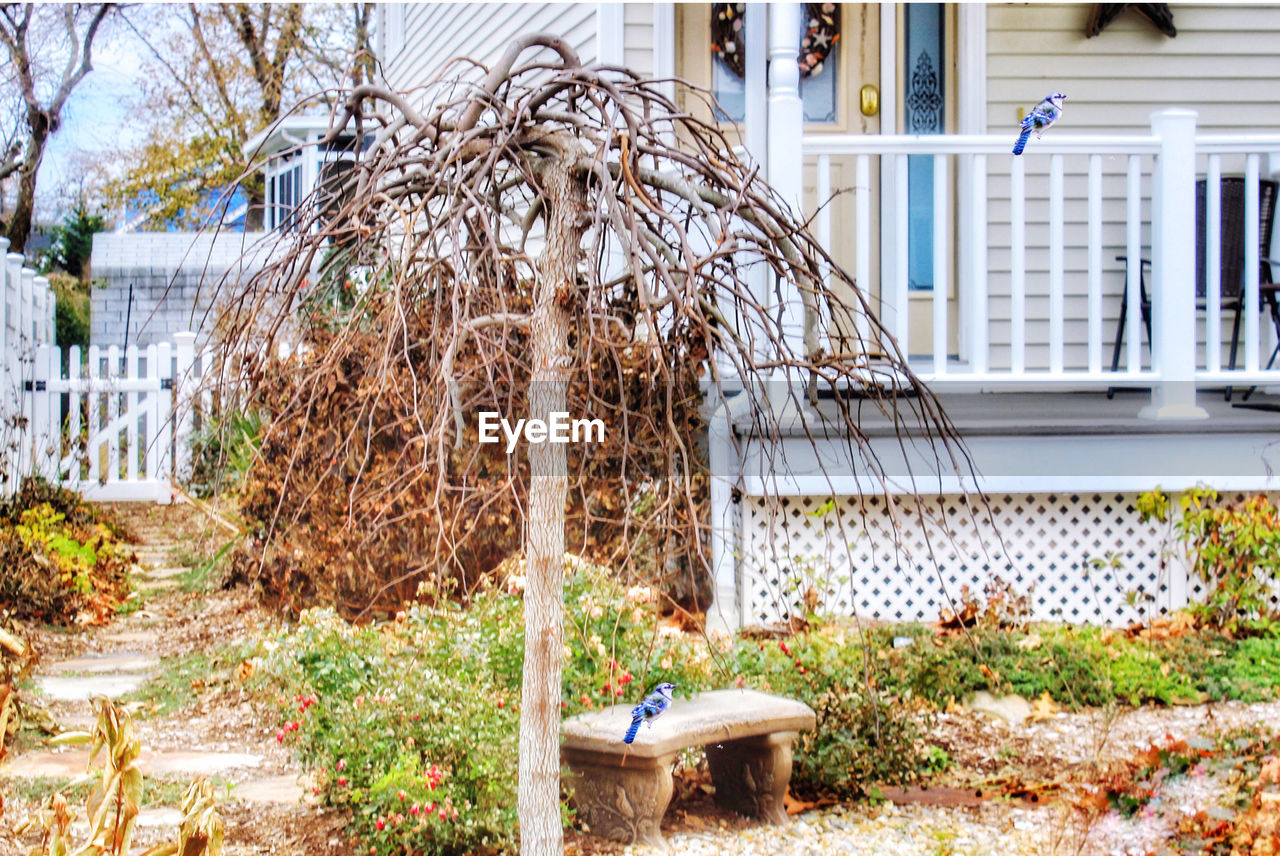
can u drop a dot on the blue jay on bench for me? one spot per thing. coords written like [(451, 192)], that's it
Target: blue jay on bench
[(650, 709)]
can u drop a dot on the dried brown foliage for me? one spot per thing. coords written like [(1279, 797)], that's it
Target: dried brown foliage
[(410, 284)]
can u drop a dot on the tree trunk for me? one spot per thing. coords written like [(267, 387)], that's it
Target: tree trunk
[(19, 226), (539, 769)]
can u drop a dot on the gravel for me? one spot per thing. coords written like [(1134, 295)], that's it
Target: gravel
[(1005, 827)]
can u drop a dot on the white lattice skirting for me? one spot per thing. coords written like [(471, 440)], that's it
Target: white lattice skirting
[(1083, 558)]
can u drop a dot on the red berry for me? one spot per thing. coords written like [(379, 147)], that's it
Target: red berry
[(803, 670), (380, 824), (501, 704), (280, 736), (342, 781), (401, 795), (785, 649)]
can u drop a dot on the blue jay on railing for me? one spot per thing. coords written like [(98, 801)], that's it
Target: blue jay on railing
[(1042, 116), (649, 709)]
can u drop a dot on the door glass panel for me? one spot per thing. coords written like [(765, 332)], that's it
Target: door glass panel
[(819, 61), (924, 113)]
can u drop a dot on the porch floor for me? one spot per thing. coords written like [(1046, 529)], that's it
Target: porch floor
[(1085, 413)]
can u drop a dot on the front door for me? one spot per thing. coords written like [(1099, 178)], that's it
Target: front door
[(840, 86)]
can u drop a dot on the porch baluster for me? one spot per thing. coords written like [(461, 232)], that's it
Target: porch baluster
[(1251, 299), (1055, 265), (1018, 267), (862, 241), (980, 310), (1213, 265), (1133, 250), (1095, 264), (900, 302)]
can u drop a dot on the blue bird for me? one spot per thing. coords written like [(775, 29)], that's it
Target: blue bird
[(650, 709), (1041, 117)]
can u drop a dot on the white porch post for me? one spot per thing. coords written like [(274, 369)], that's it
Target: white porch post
[(725, 612), (1173, 296), (785, 160)]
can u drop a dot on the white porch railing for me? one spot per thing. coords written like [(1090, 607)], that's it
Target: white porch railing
[(1033, 282)]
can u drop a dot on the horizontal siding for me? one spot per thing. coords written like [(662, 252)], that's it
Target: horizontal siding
[(435, 33), (1223, 64), (1223, 56), (638, 38)]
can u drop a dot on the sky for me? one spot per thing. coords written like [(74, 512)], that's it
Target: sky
[(96, 117)]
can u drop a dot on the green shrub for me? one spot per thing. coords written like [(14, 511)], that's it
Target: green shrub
[(222, 451), (1234, 547), (58, 558), (402, 724)]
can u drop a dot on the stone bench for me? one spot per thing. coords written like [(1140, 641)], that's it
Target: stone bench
[(622, 791)]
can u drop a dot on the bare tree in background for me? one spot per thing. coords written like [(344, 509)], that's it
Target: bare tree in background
[(214, 75), (36, 39), (534, 242)]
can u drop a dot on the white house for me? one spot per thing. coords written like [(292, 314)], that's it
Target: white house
[(997, 274)]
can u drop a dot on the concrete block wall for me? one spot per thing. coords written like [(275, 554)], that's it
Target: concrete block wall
[(176, 277)]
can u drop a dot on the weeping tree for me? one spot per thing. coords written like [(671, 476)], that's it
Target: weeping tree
[(535, 238)]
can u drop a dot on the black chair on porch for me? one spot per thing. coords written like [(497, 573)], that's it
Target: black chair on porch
[(1232, 266)]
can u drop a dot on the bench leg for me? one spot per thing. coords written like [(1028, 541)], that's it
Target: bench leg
[(751, 775), (621, 801)]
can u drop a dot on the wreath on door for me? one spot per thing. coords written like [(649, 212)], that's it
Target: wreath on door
[(821, 35)]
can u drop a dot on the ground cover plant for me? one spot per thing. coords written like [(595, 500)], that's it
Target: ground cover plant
[(411, 723)]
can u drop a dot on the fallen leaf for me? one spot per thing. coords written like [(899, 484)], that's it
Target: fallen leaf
[(795, 806), (1044, 708), (1030, 643)]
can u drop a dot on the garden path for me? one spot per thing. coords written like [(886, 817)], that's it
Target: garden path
[(161, 661)]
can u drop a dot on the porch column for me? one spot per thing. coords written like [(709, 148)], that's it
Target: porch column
[(785, 172), (1173, 251), (725, 612), (785, 159)]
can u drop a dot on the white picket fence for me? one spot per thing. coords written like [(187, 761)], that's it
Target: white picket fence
[(118, 425), (115, 424)]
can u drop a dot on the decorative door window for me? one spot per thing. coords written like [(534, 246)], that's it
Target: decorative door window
[(924, 113), (819, 61)]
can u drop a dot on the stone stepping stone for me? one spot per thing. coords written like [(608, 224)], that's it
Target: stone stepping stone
[(106, 663), (278, 790), (83, 688), (128, 637), (164, 573), (152, 818), (71, 763)]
